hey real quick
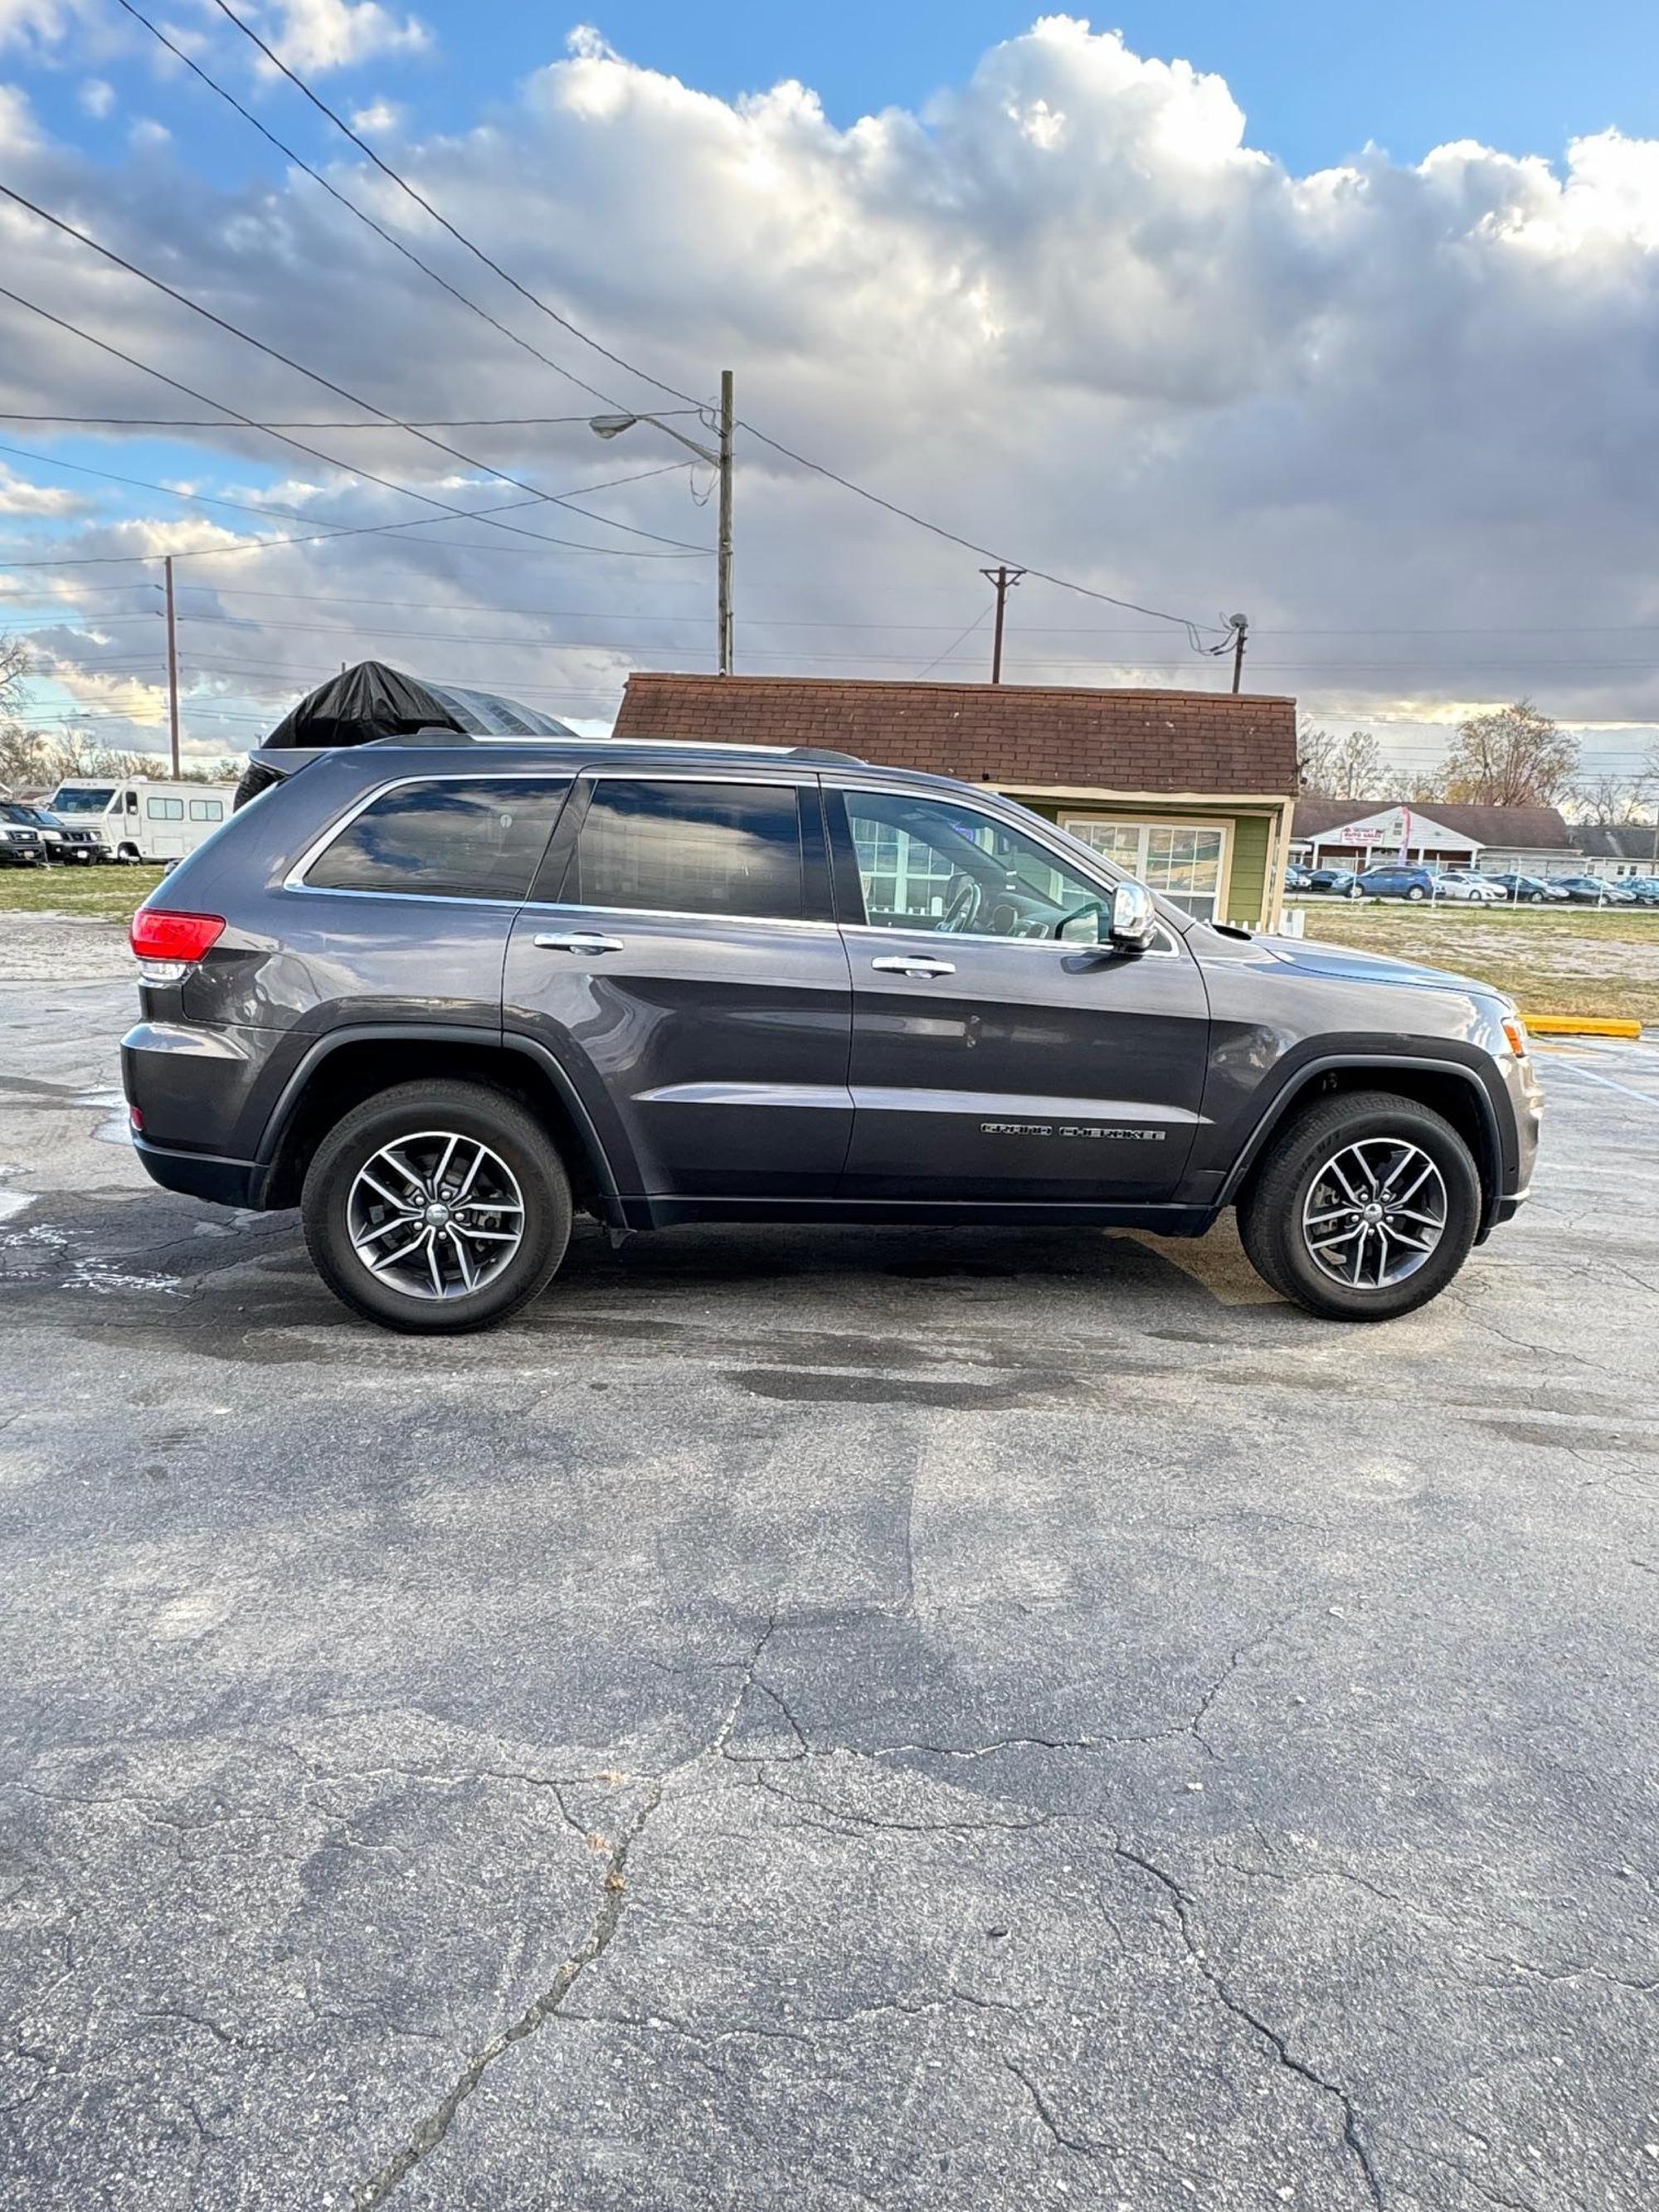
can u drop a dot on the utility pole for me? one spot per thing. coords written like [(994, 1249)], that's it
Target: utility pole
[(172, 666), (724, 585), (1005, 578), (1241, 625)]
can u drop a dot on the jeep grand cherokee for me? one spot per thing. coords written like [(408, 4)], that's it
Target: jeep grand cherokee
[(440, 994)]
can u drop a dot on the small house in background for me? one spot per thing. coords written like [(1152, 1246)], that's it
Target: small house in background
[(1631, 849), (1349, 832), (1190, 790)]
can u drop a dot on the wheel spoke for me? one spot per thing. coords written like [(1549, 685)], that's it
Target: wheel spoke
[(432, 1261), (463, 1261), (394, 1158), (1404, 1197), (470, 1176), (442, 1168), (1335, 1171), (486, 1235), (404, 1251), (1391, 1172), (380, 1191), (372, 1236)]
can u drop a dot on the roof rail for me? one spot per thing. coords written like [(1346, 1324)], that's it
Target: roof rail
[(439, 734)]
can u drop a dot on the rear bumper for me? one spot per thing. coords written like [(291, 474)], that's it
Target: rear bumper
[(203, 1175)]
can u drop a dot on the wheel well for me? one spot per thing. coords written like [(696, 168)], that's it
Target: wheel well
[(353, 1072), (1452, 1096)]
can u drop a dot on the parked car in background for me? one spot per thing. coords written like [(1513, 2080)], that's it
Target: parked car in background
[(1528, 890), (1298, 879), (21, 844), (1397, 881), (438, 996), (1466, 885), (59, 840), (1338, 882), (1645, 890), (1595, 890)]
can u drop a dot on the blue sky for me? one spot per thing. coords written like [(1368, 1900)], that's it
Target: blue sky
[(1050, 301)]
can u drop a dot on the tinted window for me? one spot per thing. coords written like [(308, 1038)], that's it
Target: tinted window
[(712, 848), (931, 864), (455, 839)]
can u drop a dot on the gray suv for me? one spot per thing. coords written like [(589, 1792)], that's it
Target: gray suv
[(438, 995)]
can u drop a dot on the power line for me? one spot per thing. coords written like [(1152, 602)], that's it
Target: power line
[(291, 513), (317, 177), (440, 445), (216, 423), (861, 491)]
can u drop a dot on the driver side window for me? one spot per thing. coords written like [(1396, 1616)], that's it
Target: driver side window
[(930, 864)]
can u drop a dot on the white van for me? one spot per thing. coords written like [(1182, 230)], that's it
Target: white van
[(139, 820)]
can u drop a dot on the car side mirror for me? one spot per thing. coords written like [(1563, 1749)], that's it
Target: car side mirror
[(1134, 918)]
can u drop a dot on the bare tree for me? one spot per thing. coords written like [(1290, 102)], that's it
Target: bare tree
[(1609, 801), (1513, 757), (1330, 767)]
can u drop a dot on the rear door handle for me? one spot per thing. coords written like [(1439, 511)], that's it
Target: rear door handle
[(579, 940), (915, 963)]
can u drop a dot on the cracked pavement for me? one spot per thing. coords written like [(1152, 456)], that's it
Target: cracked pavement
[(880, 1718)]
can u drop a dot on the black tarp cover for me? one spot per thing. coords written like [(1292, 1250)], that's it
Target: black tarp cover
[(373, 701)]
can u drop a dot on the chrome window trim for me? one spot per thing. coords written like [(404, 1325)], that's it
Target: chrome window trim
[(1171, 949), (680, 914), (1066, 855), (294, 880)]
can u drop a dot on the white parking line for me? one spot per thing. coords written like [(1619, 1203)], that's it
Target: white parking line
[(1645, 1097)]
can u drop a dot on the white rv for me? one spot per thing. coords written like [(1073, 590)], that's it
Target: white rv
[(139, 820)]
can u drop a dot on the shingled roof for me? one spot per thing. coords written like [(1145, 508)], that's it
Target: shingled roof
[(1028, 736), (1514, 828)]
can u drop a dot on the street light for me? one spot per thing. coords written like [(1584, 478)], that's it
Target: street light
[(613, 426)]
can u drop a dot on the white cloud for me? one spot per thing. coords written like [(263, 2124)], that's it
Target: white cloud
[(97, 97), (315, 35), (379, 117), (18, 496), (1399, 414)]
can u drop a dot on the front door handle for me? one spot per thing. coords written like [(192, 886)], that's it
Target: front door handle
[(579, 940), (915, 963)]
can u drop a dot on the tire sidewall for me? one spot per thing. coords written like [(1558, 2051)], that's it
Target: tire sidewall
[(1308, 1282), (468, 1111)]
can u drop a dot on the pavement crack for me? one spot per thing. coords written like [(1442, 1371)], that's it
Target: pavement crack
[(1235, 2005), (607, 1918)]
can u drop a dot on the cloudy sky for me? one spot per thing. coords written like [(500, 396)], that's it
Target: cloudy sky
[(1236, 309)]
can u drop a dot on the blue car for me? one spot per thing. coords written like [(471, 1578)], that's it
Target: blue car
[(1400, 882)]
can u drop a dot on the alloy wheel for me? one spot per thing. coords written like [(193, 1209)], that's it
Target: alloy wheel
[(435, 1215), (1374, 1212)]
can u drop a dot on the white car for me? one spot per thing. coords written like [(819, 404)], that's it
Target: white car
[(1465, 885)]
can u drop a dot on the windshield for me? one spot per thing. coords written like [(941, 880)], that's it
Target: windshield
[(82, 798), (9, 812)]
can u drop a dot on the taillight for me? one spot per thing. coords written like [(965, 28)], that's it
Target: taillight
[(168, 943)]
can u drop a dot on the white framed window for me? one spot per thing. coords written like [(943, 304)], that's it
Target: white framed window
[(1188, 861)]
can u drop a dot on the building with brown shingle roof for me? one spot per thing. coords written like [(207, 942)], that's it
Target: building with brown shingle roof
[(1193, 790)]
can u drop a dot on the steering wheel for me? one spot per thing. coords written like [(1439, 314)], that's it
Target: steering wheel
[(962, 908)]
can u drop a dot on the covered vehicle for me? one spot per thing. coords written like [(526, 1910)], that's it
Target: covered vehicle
[(373, 701)]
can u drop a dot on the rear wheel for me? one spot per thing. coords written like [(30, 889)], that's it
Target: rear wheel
[(1364, 1208), (436, 1207)]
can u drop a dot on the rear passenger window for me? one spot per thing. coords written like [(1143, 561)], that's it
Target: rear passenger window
[(458, 838), (714, 848)]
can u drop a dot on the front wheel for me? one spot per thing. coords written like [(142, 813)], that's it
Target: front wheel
[(437, 1208), (1364, 1208)]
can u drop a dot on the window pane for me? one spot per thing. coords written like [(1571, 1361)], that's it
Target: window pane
[(930, 864), (165, 810), (449, 839), (1118, 842), (207, 810), (1185, 863), (674, 847)]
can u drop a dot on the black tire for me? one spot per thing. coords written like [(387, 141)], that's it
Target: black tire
[(1270, 1213), (470, 1110)]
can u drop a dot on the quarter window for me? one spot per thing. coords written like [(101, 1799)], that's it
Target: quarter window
[(929, 864), (674, 847), (1184, 860), (455, 838)]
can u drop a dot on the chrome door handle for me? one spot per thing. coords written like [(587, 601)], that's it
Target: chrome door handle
[(580, 940), (915, 963)]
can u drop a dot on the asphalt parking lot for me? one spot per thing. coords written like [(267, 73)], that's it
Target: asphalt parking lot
[(876, 1718)]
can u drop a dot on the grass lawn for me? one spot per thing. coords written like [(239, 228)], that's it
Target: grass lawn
[(1552, 960), (105, 891)]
